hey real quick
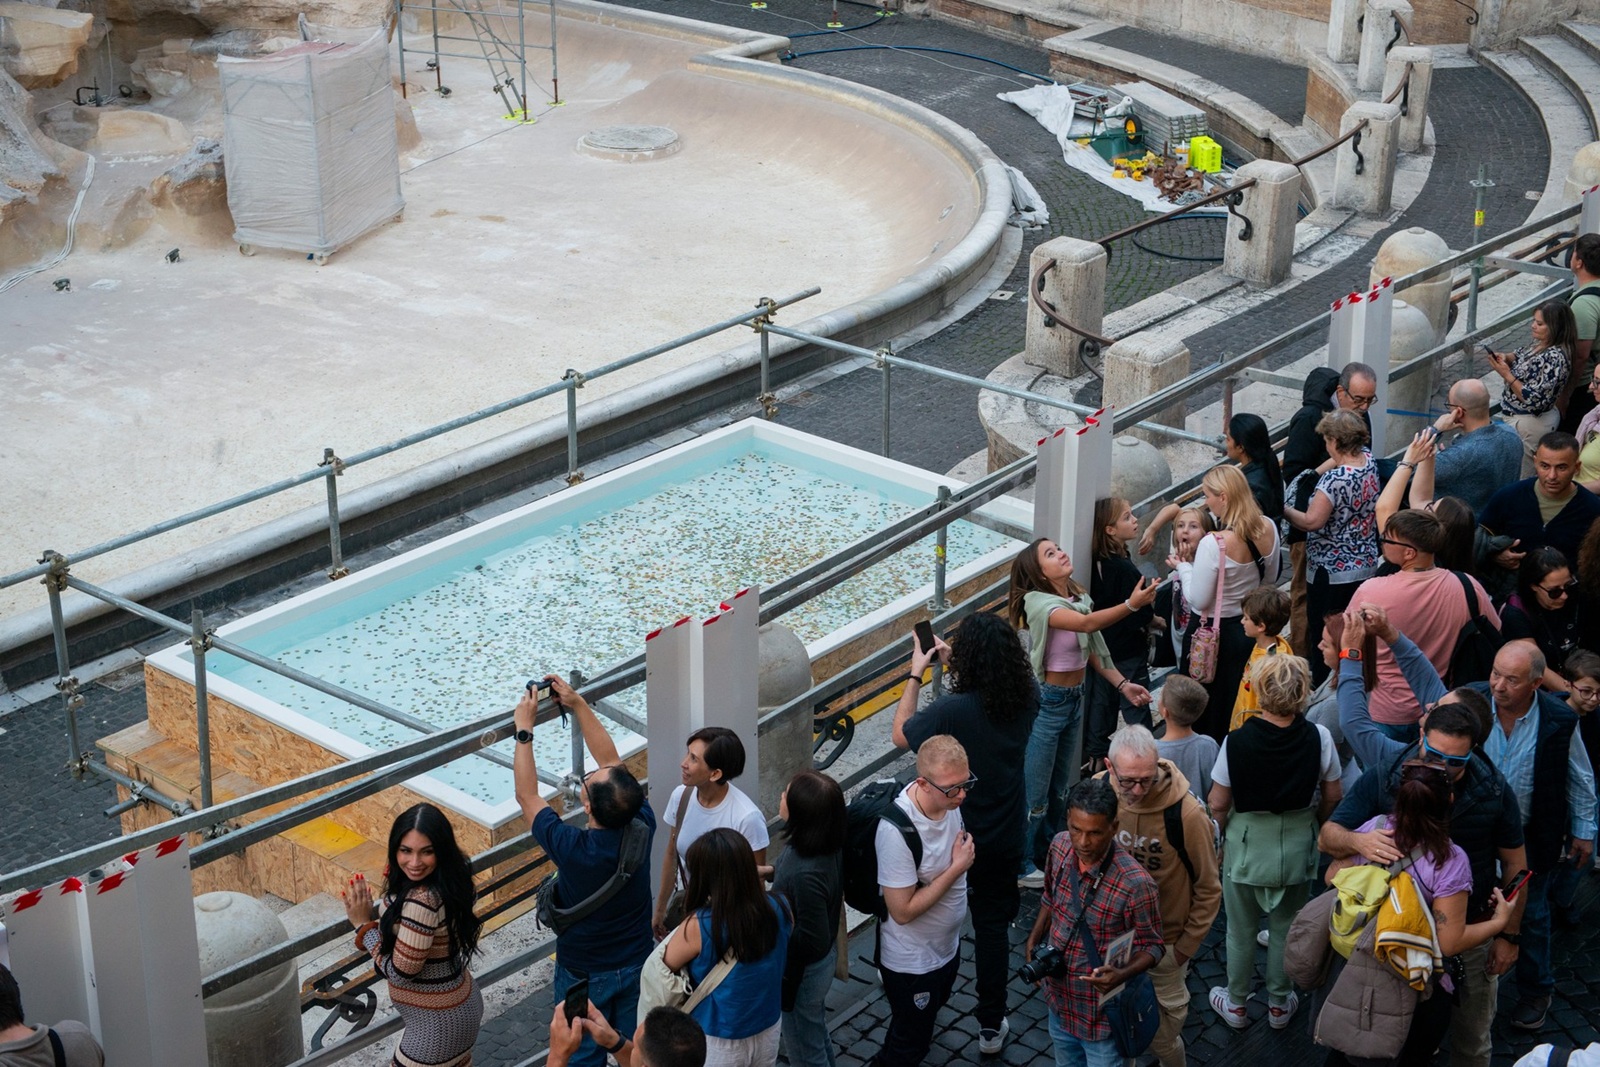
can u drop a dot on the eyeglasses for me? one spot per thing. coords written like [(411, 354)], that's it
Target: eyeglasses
[(1454, 762), (1595, 384), (1362, 401), (1397, 544), (951, 790), (1559, 591), (1132, 783)]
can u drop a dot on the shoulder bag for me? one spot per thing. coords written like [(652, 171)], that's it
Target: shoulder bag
[(662, 987), (1205, 645), (1133, 1013), (675, 898)]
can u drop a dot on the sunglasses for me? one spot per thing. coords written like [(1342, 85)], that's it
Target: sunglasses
[(1397, 544), (950, 791), (1559, 591), (1454, 762)]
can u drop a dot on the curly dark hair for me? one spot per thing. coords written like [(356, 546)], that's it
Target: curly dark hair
[(986, 658)]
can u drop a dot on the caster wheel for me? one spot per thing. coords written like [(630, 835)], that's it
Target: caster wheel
[(247, 250), (321, 259)]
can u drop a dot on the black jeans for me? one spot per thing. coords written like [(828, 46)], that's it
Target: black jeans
[(993, 901), (1104, 707), (910, 1032)]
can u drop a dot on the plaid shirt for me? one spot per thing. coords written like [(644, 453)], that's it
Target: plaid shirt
[(1124, 898)]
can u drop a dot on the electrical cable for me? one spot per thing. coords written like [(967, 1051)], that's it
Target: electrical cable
[(789, 56), (72, 228), (1175, 255), (843, 29)]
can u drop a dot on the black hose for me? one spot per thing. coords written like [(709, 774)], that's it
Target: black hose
[(843, 29), (1174, 255), (788, 56)]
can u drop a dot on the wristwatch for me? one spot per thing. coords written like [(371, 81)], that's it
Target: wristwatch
[(621, 1041), (524, 737), (1351, 653)]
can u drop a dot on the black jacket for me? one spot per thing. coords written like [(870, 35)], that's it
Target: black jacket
[(1305, 448)]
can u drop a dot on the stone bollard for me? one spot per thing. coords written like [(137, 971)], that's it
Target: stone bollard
[(1270, 205), (1138, 366), (257, 1022), (786, 741), (1377, 30), (1374, 152), (1076, 288), (1344, 30), (1584, 174), (1414, 116), (1406, 252)]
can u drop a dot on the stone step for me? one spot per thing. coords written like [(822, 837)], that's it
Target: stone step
[(1574, 65), (1566, 120), (1586, 35)]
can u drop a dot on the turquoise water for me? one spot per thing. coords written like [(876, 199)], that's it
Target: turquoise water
[(579, 590)]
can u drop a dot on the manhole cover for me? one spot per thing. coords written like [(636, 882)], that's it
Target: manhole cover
[(629, 143)]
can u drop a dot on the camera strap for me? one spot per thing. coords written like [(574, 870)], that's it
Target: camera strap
[(1081, 900)]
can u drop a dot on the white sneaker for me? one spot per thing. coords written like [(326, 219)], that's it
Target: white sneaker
[(1262, 939), (1232, 1014), (991, 1041), (1278, 1015), (1034, 879)]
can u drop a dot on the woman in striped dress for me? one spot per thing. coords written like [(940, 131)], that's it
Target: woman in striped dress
[(422, 938)]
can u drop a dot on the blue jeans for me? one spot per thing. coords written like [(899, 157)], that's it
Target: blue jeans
[(1047, 766), (1076, 1052), (1535, 976), (805, 1029), (615, 993)]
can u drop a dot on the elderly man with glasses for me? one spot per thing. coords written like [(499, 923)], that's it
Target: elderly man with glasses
[(1166, 828), (1485, 817)]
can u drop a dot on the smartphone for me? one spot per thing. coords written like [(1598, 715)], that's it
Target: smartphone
[(924, 632), (577, 1003), (1514, 886), (1487, 351)]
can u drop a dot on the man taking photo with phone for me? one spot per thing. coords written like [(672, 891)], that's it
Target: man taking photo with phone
[(598, 906)]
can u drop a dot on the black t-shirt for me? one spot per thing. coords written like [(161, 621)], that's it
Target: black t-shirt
[(1110, 583), (995, 812)]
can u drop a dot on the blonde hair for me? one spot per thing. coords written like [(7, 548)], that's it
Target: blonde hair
[(1240, 511), (940, 750), (1281, 684)]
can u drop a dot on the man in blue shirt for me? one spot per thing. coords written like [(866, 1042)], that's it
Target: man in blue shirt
[(1534, 742), (1485, 456), (609, 946)]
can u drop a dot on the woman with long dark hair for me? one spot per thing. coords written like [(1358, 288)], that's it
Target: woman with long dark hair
[(1420, 822), (731, 914), (1545, 610), (990, 708), (810, 875), (1248, 444), (1536, 376), (1061, 619), (422, 939), (1112, 579)]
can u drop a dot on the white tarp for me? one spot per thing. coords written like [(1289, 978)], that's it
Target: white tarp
[(309, 142), (1052, 106)]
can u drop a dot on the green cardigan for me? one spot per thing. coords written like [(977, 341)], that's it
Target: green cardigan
[(1036, 608)]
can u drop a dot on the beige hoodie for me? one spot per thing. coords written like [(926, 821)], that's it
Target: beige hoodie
[(1187, 910)]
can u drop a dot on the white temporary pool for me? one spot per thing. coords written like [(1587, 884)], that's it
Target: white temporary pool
[(449, 632)]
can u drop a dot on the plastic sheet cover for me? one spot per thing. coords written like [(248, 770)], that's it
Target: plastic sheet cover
[(309, 141)]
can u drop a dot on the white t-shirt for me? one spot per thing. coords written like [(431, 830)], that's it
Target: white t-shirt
[(735, 812), (930, 940), (1331, 771)]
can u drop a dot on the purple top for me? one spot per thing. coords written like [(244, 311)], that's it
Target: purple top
[(1433, 880)]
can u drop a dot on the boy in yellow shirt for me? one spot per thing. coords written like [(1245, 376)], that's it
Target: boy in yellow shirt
[(1266, 613)]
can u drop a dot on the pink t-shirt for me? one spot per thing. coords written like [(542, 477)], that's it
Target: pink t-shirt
[(1430, 608), (1064, 651)]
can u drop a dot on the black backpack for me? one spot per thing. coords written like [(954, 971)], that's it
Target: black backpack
[(873, 804), (1477, 644)]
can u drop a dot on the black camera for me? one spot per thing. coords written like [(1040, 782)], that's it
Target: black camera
[(1048, 962)]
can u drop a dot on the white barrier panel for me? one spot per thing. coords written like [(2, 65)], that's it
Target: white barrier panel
[(1376, 328), (672, 696), (1589, 214), (1074, 471), (1341, 329), (117, 948), (731, 647), (47, 932), (175, 1008)]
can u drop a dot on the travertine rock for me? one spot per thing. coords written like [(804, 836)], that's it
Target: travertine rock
[(254, 14), (132, 132), (196, 185), (39, 45), (25, 165)]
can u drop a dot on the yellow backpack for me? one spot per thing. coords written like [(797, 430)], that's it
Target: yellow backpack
[(1360, 893)]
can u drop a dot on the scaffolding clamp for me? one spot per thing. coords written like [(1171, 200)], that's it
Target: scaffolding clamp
[(67, 686), (881, 356), (56, 579), (575, 377), (329, 459), (768, 308)]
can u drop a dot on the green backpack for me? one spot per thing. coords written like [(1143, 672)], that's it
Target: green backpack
[(1360, 892)]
